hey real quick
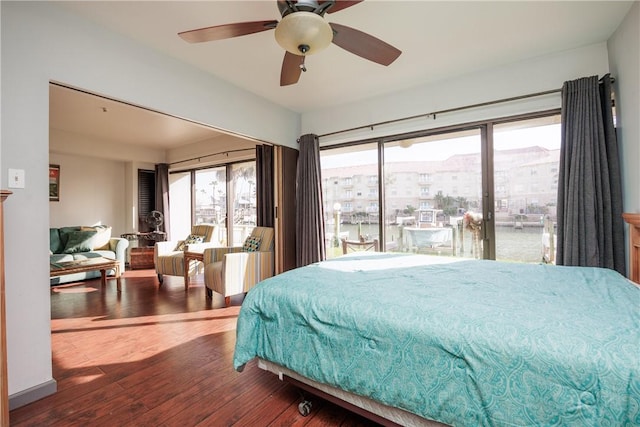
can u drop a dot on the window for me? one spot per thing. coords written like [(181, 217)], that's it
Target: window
[(526, 154), (243, 200), (223, 195), (146, 198), (344, 221), (211, 198), (180, 204), (522, 190), (453, 158)]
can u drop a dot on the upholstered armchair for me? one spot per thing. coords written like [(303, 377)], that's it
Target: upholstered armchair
[(168, 257), (235, 270)]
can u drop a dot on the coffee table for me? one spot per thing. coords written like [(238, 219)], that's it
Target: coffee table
[(85, 265)]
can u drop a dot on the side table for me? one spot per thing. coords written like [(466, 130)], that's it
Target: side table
[(142, 258), (188, 257)]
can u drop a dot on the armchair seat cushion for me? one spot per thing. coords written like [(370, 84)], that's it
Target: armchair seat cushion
[(169, 256), (234, 270), (174, 262)]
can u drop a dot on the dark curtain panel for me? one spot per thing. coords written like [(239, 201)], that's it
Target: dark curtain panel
[(162, 194), (310, 217), (590, 225), (264, 186)]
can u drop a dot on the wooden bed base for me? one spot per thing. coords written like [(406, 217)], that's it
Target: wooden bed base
[(634, 245), (370, 409)]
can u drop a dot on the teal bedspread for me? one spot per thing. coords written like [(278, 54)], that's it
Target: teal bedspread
[(466, 343)]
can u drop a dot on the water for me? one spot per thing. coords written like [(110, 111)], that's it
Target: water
[(521, 245)]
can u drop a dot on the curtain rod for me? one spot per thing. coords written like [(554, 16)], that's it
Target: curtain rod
[(435, 113), (450, 110), (225, 153)]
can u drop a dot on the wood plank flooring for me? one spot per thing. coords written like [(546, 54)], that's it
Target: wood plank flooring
[(158, 357)]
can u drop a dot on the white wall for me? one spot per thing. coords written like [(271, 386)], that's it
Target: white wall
[(624, 57), (532, 76), (89, 163), (90, 193), (42, 42)]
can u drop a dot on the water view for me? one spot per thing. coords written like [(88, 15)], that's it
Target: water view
[(512, 244)]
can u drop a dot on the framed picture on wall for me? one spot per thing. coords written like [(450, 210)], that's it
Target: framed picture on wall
[(54, 183)]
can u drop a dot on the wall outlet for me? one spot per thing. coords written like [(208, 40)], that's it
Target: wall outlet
[(16, 178)]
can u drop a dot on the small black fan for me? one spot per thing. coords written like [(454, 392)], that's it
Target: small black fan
[(155, 219)]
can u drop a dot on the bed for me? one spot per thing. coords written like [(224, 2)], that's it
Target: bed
[(422, 340)]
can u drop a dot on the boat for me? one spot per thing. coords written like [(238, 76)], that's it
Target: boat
[(431, 231)]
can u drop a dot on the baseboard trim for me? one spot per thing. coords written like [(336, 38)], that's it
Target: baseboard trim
[(32, 394)]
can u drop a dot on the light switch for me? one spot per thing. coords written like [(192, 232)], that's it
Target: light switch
[(16, 178)]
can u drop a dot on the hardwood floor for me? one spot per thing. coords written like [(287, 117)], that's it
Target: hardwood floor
[(158, 357)]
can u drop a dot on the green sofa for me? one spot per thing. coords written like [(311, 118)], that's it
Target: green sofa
[(81, 242)]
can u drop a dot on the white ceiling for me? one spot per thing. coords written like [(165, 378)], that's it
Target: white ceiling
[(104, 119), (439, 39)]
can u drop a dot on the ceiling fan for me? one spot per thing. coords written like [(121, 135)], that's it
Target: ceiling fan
[(303, 31)]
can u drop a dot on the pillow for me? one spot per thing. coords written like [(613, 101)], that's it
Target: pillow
[(64, 235), (102, 237), (79, 241), (191, 239), (251, 244), (55, 242)]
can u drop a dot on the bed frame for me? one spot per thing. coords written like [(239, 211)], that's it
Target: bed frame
[(634, 245), (382, 414)]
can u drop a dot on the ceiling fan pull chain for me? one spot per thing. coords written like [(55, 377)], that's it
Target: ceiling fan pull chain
[(302, 66)]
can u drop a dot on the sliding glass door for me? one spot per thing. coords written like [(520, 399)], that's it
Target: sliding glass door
[(180, 205), (526, 156), (223, 195), (433, 194), (350, 195), (480, 191), (211, 199), (242, 188)]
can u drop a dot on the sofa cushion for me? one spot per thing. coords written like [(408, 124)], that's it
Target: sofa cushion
[(101, 239), (79, 241), (106, 254), (55, 258), (64, 235)]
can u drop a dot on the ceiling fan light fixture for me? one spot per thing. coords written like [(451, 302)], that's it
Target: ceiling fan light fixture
[(303, 33)]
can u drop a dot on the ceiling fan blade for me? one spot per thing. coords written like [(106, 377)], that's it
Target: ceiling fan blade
[(285, 6), (226, 31), (341, 4), (291, 69), (364, 45)]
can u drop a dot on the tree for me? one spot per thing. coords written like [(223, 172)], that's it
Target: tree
[(409, 210)]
